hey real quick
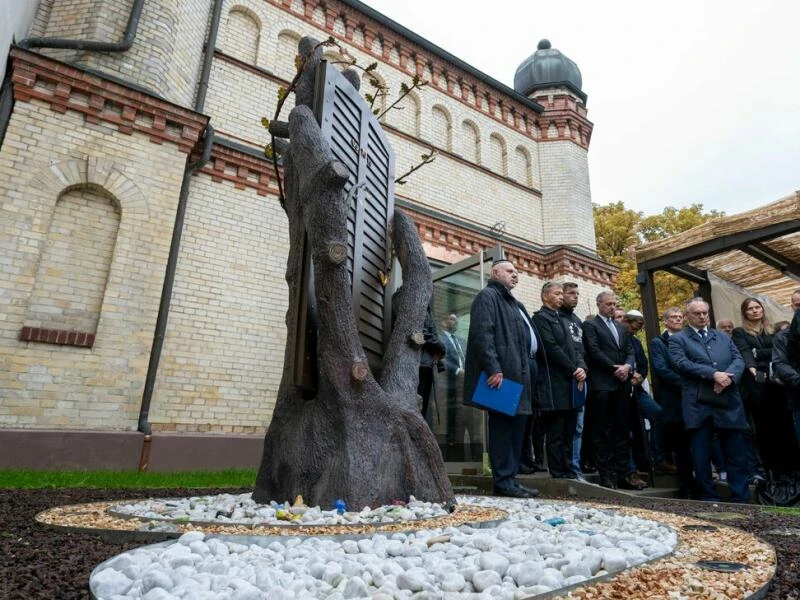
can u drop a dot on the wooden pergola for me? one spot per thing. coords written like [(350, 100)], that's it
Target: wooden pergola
[(758, 250)]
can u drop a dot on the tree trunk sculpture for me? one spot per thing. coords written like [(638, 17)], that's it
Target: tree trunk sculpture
[(361, 439)]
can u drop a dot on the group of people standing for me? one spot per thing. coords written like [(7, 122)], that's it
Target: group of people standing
[(584, 390)]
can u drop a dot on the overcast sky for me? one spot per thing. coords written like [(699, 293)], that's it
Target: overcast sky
[(692, 101)]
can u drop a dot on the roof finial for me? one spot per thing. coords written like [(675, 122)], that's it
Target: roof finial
[(544, 45)]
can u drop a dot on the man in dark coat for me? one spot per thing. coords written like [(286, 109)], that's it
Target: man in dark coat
[(609, 354), (574, 325), (786, 364), (565, 370), (502, 343), (710, 367), (667, 383)]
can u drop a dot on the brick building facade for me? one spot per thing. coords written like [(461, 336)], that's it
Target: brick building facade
[(101, 149)]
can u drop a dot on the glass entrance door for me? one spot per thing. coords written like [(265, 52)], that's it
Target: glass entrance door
[(459, 429)]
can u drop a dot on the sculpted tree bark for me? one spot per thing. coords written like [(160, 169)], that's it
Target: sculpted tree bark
[(361, 439)]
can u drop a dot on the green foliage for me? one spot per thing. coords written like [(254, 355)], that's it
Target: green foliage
[(28, 479), (619, 230)]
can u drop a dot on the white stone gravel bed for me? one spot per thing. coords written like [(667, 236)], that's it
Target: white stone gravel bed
[(541, 547), (241, 509)]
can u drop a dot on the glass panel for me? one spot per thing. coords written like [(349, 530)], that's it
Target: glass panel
[(459, 429)]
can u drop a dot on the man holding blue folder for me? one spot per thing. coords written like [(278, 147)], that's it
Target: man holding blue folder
[(502, 344)]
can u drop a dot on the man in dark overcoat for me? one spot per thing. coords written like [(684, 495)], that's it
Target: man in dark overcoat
[(502, 343), (565, 369), (710, 367), (609, 354), (667, 383)]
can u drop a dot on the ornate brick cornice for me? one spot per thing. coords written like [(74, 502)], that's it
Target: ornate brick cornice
[(242, 169), (413, 59), (100, 100), (560, 262), (564, 119)]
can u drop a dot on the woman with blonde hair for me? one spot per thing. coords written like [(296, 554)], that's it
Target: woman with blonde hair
[(764, 403)]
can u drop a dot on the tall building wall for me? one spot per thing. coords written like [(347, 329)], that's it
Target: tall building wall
[(58, 170), (495, 180)]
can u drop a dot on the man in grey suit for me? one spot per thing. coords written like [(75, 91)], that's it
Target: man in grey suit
[(710, 367), (609, 356)]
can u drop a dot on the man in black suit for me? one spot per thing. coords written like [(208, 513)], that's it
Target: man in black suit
[(609, 355), (460, 419)]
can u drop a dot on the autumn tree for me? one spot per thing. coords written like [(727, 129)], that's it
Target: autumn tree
[(619, 230)]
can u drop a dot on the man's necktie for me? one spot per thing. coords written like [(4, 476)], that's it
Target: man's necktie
[(703, 333), (459, 351), (613, 328)]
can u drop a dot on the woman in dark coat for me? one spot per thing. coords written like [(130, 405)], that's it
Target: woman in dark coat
[(763, 400)]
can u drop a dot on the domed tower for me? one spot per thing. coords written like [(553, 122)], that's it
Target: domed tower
[(554, 81)]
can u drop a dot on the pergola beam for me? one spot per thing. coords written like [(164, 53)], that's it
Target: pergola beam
[(774, 259), (725, 243)]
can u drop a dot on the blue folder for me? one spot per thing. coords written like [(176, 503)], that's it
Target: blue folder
[(579, 396), (504, 399)]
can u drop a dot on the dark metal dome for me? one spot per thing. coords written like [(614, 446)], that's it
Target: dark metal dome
[(547, 67)]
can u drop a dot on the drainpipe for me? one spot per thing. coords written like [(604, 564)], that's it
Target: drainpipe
[(177, 231), (121, 46), (128, 37)]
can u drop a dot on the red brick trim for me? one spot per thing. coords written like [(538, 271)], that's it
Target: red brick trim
[(561, 262), (242, 169), (413, 59), (65, 87), (564, 110), (62, 337)]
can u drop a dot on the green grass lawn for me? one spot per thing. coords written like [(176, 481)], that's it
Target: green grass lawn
[(783, 510), (27, 479)]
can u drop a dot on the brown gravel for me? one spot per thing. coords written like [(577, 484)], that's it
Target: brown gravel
[(37, 561)]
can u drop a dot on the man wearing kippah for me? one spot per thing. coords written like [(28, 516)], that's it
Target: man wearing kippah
[(502, 342)]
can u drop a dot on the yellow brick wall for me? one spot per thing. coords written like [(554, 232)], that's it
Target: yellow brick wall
[(44, 385), (223, 354)]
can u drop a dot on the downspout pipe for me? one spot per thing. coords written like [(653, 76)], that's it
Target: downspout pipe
[(128, 37), (169, 281), (177, 231), (62, 43)]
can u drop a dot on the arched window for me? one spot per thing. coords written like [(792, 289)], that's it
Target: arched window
[(522, 166), (406, 114), (287, 46), (241, 34), (498, 160), (441, 128), (339, 26), (318, 16), (470, 142), (74, 265), (358, 36)]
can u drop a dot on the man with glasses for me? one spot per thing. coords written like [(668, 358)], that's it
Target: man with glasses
[(710, 367)]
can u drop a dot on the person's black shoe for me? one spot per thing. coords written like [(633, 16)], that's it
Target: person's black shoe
[(607, 482), (526, 470), (588, 468), (532, 492), (512, 492), (630, 483)]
